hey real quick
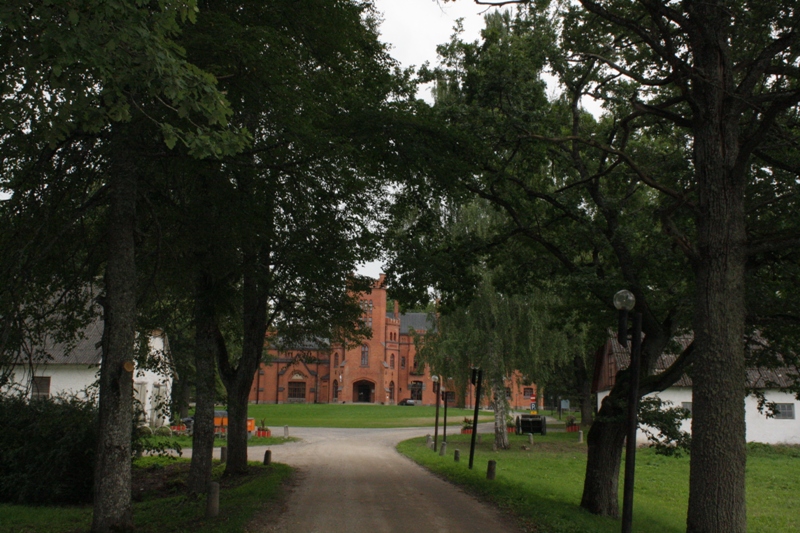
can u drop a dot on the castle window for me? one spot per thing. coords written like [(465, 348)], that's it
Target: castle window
[(527, 392), (364, 355), (297, 390), (335, 390), (335, 360), (402, 361), (391, 361)]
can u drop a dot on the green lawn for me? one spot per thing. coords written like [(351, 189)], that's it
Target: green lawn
[(185, 441), (176, 513), (543, 485), (354, 415)]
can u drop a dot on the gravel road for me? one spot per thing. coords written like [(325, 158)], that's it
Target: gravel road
[(354, 481)]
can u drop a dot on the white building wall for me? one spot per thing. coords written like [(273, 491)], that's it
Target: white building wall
[(759, 427), (76, 379), (64, 379)]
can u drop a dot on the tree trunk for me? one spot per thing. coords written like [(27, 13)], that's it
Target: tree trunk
[(605, 441), (205, 389), (499, 405), (238, 380), (112, 481), (238, 394), (717, 465), (583, 385)]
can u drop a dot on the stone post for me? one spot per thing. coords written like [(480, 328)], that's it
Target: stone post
[(491, 470), (212, 500)]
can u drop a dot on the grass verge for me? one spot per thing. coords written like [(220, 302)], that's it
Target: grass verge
[(355, 415), (186, 441), (543, 485), (161, 507)]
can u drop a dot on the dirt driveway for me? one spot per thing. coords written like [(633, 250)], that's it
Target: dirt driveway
[(353, 480)]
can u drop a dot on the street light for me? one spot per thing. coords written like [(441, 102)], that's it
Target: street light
[(435, 380), (444, 424), (624, 301)]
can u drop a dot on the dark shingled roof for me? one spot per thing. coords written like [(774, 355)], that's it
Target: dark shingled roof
[(86, 351), (757, 378), (418, 321)]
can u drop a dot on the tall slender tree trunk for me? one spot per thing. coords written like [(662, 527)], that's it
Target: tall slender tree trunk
[(583, 384), (112, 481), (499, 404), (604, 441), (206, 347), (717, 467), (239, 379)]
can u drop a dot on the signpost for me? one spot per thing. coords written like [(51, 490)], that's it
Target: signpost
[(477, 375)]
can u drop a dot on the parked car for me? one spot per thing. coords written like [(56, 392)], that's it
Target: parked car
[(407, 401)]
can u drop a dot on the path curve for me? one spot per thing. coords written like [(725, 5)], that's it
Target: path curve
[(354, 480)]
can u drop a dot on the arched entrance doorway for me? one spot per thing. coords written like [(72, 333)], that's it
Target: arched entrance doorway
[(363, 391)]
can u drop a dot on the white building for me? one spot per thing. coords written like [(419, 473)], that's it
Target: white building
[(61, 369), (782, 428)]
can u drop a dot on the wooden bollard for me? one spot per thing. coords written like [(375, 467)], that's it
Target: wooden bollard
[(580, 437), (457, 456), (490, 472), (223, 454), (443, 448), (212, 500), (267, 457), (429, 441), (285, 432), (479, 438), (530, 439)]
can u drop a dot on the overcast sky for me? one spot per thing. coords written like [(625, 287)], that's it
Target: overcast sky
[(414, 28)]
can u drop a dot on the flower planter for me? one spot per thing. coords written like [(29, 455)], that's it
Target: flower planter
[(263, 433), (466, 431), (511, 429), (572, 429)]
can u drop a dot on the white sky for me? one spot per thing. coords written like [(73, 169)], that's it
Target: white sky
[(414, 28)]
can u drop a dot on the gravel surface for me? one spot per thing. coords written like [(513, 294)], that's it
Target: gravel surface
[(354, 481)]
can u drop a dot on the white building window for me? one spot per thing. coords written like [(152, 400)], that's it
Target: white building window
[(40, 387), (688, 407), (784, 411)]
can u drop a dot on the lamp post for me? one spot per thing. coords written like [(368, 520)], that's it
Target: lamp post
[(624, 301), (477, 377), (444, 424), (435, 380)]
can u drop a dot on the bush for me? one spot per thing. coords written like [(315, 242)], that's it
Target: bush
[(47, 450), (163, 431)]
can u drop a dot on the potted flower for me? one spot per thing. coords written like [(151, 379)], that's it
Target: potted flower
[(572, 425), (511, 426), (263, 430), (466, 426)]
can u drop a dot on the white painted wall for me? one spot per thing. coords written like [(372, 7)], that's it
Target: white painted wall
[(77, 379), (759, 427), (64, 379)]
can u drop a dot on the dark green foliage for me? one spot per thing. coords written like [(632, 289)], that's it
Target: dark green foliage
[(47, 450), (661, 423)]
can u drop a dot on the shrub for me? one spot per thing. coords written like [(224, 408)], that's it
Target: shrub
[(163, 431), (47, 450)]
